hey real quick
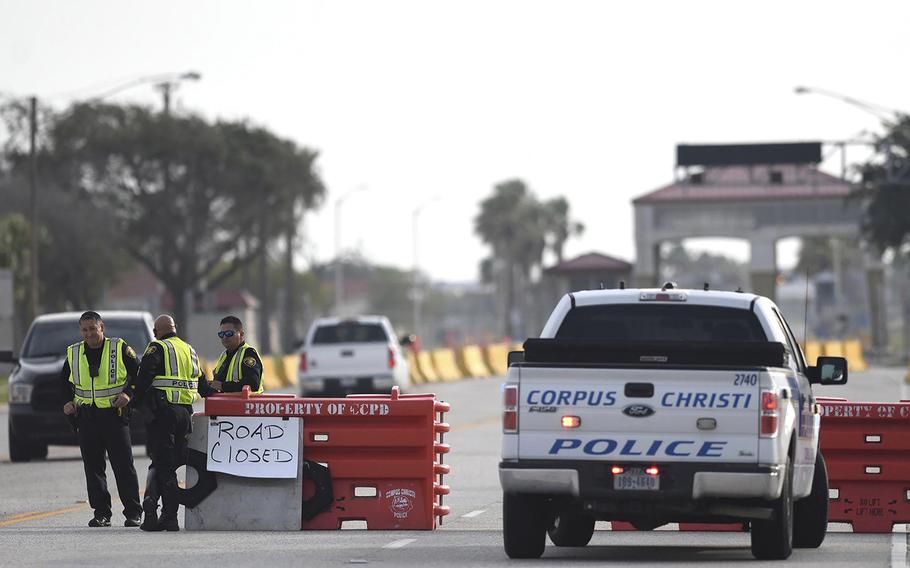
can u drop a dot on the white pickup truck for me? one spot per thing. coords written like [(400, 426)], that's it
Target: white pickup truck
[(653, 406), (360, 354)]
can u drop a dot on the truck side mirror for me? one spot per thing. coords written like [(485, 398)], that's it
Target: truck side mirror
[(6, 356), (406, 340), (828, 371)]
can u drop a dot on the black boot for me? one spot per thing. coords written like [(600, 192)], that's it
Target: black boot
[(168, 523), (150, 521)]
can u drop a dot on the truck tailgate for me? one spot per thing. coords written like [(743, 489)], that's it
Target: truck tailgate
[(349, 359), (639, 415)]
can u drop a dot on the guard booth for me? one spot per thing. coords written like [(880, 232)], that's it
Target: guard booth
[(278, 462)]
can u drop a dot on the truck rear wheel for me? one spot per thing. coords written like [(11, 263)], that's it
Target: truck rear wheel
[(524, 525), (810, 514), (572, 530), (773, 539)]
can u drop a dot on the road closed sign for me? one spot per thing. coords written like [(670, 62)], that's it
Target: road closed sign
[(252, 446)]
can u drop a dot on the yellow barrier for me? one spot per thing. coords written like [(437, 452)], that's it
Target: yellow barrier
[(853, 351), (812, 351), (444, 360), (289, 365), (497, 358), (470, 359), (414, 369), (427, 369), (834, 348), (270, 379)]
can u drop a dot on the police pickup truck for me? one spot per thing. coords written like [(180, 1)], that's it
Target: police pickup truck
[(653, 406)]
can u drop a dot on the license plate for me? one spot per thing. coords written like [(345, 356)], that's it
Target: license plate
[(636, 480)]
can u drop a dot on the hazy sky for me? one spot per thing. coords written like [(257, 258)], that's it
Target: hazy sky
[(421, 99)]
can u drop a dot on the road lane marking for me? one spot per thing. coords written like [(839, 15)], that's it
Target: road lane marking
[(20, 515), (473, 514), (36, 516), (472, 425), (400, 543), (899, 541)]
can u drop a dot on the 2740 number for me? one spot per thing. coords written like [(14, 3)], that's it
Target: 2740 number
[(742, 379)]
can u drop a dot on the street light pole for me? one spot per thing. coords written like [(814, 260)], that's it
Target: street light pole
[(33, 207), (339, 270), (890, 117), (416, 291)]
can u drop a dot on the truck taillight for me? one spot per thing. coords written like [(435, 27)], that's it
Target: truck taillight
[(510, 409), (303, 363), (391, 358), (570, 421), (770, 414)]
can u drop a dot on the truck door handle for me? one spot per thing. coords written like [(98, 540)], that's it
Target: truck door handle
[(639, 390), (347, 353)]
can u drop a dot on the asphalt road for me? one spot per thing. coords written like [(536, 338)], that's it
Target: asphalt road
[(43, 515)]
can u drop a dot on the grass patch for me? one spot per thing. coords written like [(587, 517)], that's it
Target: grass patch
[(4, 392)]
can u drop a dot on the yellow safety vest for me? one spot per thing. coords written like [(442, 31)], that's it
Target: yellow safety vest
[(181, 373), (233, 370), (103, 389)]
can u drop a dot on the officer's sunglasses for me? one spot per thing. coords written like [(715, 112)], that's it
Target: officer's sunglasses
[(226, 333)]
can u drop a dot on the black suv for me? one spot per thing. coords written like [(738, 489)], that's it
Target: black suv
[(36, 399)]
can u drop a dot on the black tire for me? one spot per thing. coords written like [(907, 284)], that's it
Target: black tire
[(19, 450), (524, 525), (39, 451), (572, 530), (810, 514), (773, 539)]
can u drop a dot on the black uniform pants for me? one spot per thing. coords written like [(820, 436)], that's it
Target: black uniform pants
[(169, 431), (102, 430)]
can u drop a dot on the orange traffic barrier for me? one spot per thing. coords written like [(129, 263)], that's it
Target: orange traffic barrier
[(866, 446), (384, 455)]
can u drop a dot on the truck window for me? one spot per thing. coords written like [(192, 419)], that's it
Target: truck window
[(660, 322), (350, 332), (50, 339), (798, 359)]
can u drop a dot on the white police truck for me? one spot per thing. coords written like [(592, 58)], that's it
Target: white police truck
[(653, 406)]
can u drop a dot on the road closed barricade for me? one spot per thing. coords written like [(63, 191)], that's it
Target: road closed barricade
[(377, 459), (866, 446)]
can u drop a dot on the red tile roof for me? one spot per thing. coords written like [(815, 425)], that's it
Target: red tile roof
[(736, 187), (588, 262)]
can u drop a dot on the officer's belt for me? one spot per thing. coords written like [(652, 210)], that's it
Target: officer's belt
[(175, 384)]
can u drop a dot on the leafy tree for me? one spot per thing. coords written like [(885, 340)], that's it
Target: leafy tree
[(886, 189), (520, 228), (78, 255), (182, 191)]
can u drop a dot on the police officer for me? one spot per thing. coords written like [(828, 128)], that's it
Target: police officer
[(168, 380), (94, 374), (240, 364)]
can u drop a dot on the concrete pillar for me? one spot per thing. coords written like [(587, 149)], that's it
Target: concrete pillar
[(875, 283), (647, 255), (763, 266)]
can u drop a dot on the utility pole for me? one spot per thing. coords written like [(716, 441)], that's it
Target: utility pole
[(166, 88), (33, 208)]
